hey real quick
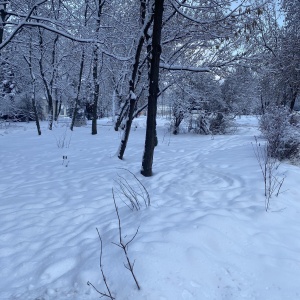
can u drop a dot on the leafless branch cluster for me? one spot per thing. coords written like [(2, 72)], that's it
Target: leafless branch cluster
[(133, 195), (273, 181)]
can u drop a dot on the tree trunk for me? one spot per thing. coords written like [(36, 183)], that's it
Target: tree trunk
[(2, 22), (4, 16), (122, 114), (57, 106), (113, 105), (132, 97), (96, 91), (1, 33), (37, 122), (294, 97), (127, 127), (78, 92), (33, 93), (95, 71), (151, 139), (50, 113), (56, 113), (48, 86), (49, 97)]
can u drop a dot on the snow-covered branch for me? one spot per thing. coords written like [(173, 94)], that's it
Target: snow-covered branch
[(66, 35), (232, 13), (16, 30), (235, 12), (183, 68)]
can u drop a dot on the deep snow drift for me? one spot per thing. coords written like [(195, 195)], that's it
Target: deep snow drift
[(206, 234)]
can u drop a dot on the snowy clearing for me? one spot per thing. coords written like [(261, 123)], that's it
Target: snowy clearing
[(206, 234)]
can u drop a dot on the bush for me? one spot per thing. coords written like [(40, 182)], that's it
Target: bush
[(211, 123), (280, 128)]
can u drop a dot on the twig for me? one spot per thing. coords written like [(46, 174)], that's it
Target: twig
[(109, 295), (124, 246), (102, 294)]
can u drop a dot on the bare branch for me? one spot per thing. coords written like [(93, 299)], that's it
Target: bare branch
[(16, 30), (109, 295), (121, 244), (183, 68)]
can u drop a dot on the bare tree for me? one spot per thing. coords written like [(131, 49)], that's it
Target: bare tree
[(130, 105), (214, 24), (29, 61)]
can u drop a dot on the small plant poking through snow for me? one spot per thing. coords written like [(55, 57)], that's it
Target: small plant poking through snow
[(269, 165), (64, 141), (133, 194)]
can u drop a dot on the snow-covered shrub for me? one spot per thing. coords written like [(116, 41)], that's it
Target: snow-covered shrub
[(211, 123), (281, 130), (80, 119), (197, 101), (221, 123)]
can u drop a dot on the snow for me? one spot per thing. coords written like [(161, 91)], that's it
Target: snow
[(206, 234), (133, 95)]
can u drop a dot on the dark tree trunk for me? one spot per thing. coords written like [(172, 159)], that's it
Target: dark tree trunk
[(80, 76), (293, 101), (2, 22), (49, 97), (52, 109), (50, 113), (95, 71), (59, 107), (151, 139), (121, 115), (36, 115), (96, 91), (262, 105), (37, 121), (78, 92), (125, 137), (33, 102), (178, 120), (56, 112), (3, 18), (1, 33)]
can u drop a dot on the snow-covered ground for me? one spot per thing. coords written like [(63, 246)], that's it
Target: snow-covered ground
[(206, 234)]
